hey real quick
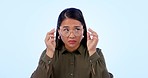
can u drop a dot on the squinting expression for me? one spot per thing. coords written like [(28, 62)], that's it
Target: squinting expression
[(71, 32)]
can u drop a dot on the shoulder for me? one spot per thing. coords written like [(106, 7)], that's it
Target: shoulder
[(43, 54), (99, 51)]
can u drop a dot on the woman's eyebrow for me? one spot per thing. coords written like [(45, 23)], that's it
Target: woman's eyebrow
[(70, 27), (78, 26), (65, 27)]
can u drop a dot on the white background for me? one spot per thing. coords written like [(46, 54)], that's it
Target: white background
[(122, 26)]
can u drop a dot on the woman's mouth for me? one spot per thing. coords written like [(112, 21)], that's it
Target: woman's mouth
[(72, 41)]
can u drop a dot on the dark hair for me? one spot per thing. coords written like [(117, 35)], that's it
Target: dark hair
[(72, 13)]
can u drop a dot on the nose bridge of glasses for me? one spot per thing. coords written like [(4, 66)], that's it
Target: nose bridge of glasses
[(73, 32)]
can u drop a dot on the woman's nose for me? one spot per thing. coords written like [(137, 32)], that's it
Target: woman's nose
[(71, 35)]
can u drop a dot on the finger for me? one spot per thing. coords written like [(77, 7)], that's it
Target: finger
[(88, 36), (50, 42), (52, 31), (90, 30), (50, 34), (93, 33), (49, 37)]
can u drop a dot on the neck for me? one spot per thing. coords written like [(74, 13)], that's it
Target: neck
[(72, 49)]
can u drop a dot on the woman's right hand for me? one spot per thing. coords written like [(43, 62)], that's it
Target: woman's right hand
[(50, 43)]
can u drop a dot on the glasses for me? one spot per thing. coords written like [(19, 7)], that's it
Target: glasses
[(77, 31)]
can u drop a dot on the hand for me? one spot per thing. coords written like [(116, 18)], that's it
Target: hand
[(92, 40), (50, 43)]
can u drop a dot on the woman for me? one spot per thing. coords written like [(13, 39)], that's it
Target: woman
[(73, 53)]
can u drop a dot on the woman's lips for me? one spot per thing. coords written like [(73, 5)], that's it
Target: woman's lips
[(72, 41)]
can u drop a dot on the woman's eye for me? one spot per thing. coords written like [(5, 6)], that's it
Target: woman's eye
[(77, 29), (65, 29)]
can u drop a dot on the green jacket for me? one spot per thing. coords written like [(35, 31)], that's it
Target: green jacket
[(77, 64)]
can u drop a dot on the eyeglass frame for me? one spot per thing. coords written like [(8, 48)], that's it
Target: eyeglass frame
[(71, 30)]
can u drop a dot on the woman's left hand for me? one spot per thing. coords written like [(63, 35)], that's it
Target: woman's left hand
[(92, 40)]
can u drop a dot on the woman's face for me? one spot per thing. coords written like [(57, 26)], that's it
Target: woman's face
[(71, 33)]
